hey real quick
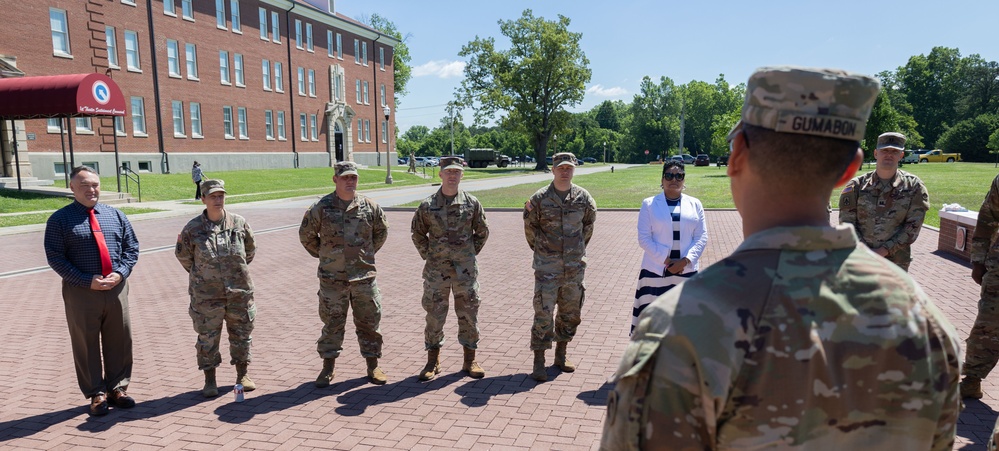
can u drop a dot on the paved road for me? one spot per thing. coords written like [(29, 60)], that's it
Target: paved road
[(506, 410)]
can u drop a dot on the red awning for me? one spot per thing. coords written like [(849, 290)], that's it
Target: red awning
[(76, 95)]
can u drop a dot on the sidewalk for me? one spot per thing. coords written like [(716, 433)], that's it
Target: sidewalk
[(43, 408)]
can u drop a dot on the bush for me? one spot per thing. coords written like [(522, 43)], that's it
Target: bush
[(970, 138)]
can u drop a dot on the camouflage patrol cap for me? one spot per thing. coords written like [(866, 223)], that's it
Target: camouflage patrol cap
[(821, 102), (891, 140), (452, 162), (212, 186), (563, 158), (342, 168)]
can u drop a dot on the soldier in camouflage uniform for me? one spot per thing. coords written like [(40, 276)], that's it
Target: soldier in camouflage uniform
[(344, 230), (216, 249), (983, 342), (887, 205), (558, 223), (803, 338), (449, 230)]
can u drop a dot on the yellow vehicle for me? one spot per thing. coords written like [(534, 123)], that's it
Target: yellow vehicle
[(938, 156)]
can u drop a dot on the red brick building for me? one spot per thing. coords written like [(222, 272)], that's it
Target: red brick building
[(234, 84)]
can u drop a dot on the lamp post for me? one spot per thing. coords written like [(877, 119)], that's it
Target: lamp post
[(605, 151), (388, 147), (555, 140)]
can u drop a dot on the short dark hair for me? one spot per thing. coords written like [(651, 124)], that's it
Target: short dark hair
[(80, 169), (671, 163), (801, 162)]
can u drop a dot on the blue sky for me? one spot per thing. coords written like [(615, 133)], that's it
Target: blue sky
[(692, 40)]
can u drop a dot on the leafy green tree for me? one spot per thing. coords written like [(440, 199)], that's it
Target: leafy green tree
[(970, 137), (655, 121), (994, 140), (885, 118), (931, 86), (543, 71), (607, 116), (402, 72)]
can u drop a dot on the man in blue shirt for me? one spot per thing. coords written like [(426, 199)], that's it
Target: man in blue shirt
[(93, 248)]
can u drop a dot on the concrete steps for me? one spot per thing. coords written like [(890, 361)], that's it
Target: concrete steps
[(11, 182), (107, 197)]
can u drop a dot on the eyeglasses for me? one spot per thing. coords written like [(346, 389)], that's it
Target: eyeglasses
[(671, 176)]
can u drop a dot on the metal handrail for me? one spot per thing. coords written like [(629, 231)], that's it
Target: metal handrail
[(133, 176)]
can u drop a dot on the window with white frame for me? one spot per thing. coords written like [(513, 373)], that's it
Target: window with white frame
[(132, 51), (84, 126), (112, 44), (237, 27), (329, 43), (357, 51), (385, 132), (298, 34), (304, 126), (383, 95), (187, 9), (360, 130), (263, 23), (119, 126), (367, 130), (265, 66), (191, 57), (169, 8), (237, 62), (357, 89), (177, 112), (301, 81), (308, 37), (53, 125), (138, 117), (241, 117), (224, 67), (220, 14), (365, 92), (280, 125), (364, 53), (381, 58), (337, 85), (275, 28), (278, 77), (227, 122), (196, 120), (268, 124), (173, 58), (313, 127), (339, 46), (312, 83), (60, 32)]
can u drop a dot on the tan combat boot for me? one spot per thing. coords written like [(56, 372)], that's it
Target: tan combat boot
[(561, 361), (540, 373), (971, 387), (243, 379), (326, 376), (211, 389), (375, 374), (471, 366), (433, 364)]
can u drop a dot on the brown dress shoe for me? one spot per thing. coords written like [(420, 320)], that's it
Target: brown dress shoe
[(121, 399), (99, 405)]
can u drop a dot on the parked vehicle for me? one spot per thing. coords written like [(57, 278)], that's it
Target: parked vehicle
[(480, 158), (722, 160), (588, 159), (911, 157), (937, 155), (702, 160), (685, 158), (427, 162)]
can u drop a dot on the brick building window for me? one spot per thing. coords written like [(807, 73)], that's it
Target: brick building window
[(187, 9), (237, 62), (357, 51), (304, 126), (53, 125), (278, 77), (275, 28), (301, 81), (224, 67), (365, 92), (360, 130), (234, 17), (338, 85), (177, 114), (227, 122), (191, 57), (138, 117), (312, 83), (298, 34), (381, 58), (173, 58), (265, 66), (308, 37), (280, 125), (329, 43), (339, 46), (220, 14), (367, 130), (60, 32), (241, 117), (383, 95), (364, 53), (263, 24), (84, 126), (313, 127), (132, 51), (169, 8), (269, 124), (385, 132), (357, 89), (196, 120), (112, 44), (119, 126)]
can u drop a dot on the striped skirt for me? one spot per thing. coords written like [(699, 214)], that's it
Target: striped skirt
[(650, 287)]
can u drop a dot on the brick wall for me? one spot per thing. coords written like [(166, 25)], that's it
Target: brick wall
[(949, 223)]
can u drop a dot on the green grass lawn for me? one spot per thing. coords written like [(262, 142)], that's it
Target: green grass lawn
[(963, 183), (38, 218)]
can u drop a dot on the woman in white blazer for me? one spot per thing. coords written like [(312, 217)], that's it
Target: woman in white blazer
[(672, 232)]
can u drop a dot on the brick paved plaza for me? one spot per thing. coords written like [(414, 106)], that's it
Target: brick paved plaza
[(43, 409)]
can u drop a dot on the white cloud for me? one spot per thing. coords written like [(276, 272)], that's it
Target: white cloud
[(440, 69), (600, 91)]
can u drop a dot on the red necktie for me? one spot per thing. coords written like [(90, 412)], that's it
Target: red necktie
[(102, 246)]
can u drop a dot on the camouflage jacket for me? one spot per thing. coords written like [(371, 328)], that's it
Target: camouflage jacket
[(216, 256), (450, 234), (984, 245), (888, 215), (558, 230), (801, 339), (345, 241)]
